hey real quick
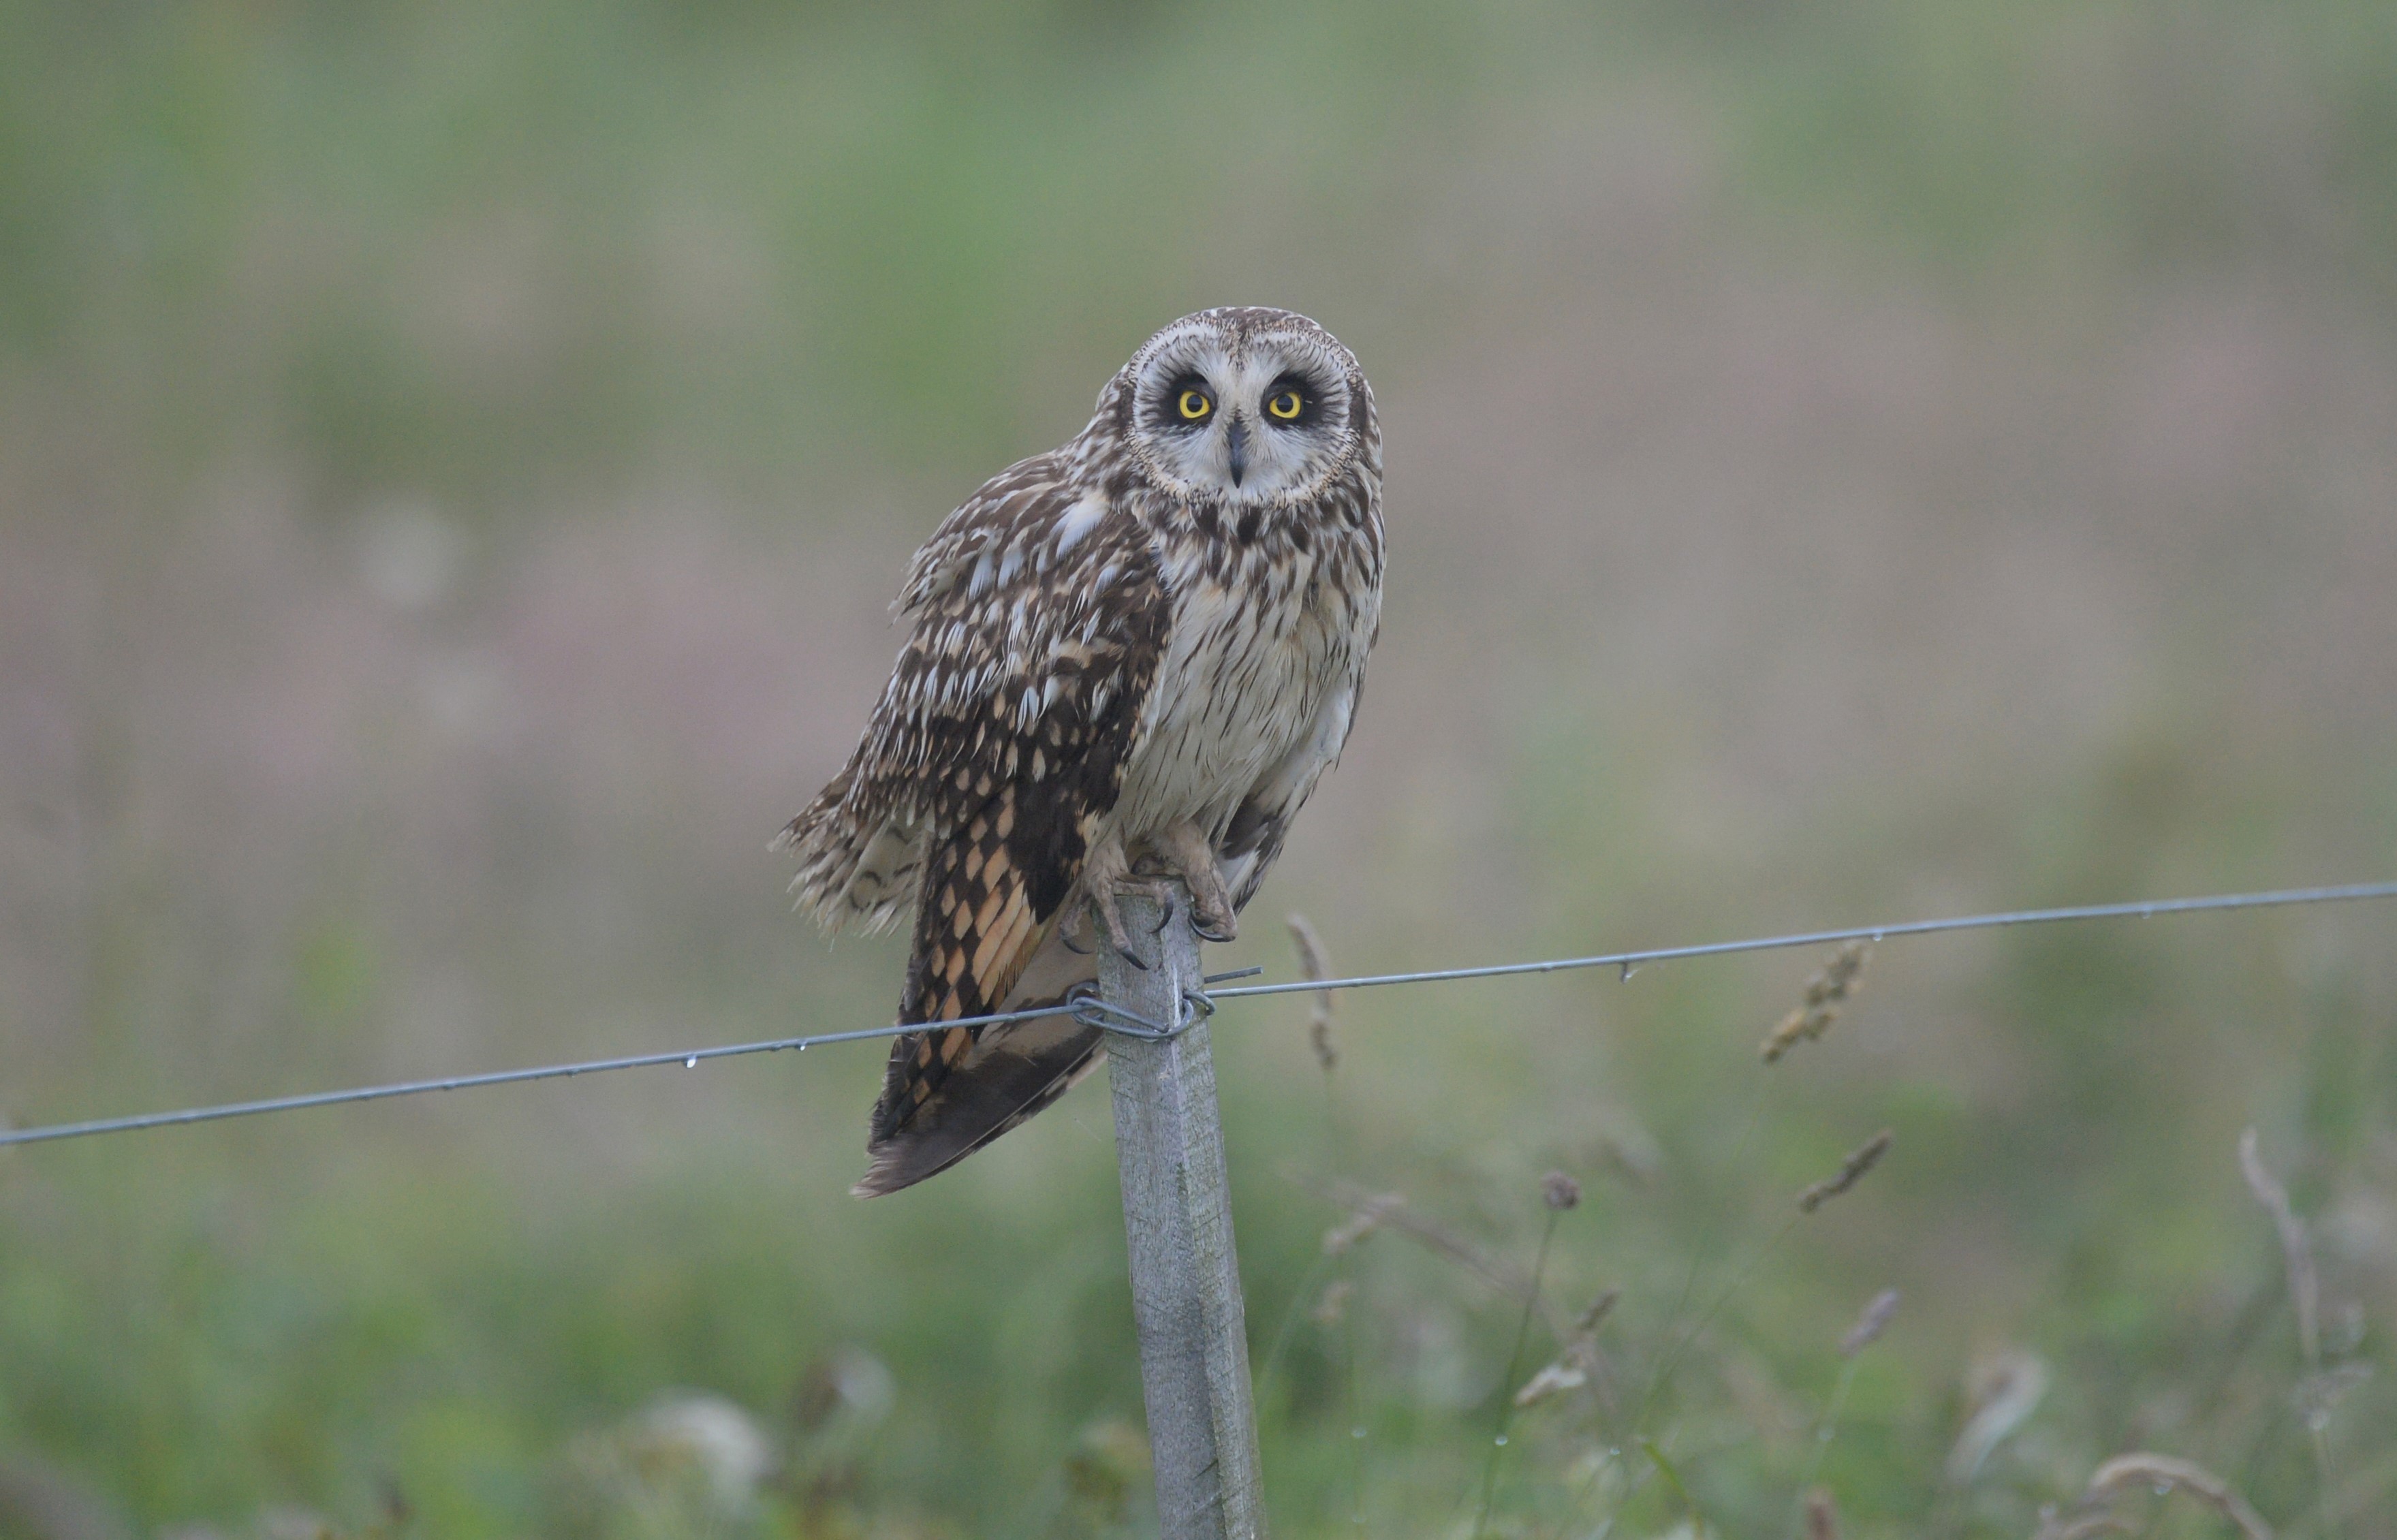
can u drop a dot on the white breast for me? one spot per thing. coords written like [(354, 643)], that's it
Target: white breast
[(1247, 666)]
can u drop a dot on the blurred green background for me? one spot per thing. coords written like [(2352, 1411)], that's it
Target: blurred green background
[(1845, 462)]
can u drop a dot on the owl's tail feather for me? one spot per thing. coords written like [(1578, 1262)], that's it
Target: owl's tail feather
[(852, 871), (1004, 1077), (981, 948)]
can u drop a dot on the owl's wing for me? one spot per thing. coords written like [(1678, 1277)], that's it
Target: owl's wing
[(996, 751)]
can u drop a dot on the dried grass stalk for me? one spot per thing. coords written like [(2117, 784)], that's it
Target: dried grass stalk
[(2295, 1252), (1559, 1376), (1869, 1325), (1819, 1006), (1575, 1366), (1864, 1158), (2161, 1473), (1373, 1211), (1314, 963), (2002, 1391)]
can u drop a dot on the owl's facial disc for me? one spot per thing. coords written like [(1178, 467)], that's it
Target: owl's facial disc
[(1242, 419)]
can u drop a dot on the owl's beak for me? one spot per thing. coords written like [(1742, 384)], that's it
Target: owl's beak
[(1238, 455)]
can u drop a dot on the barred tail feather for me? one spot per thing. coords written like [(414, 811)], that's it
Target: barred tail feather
[(1014, 1072), (951, 1089)]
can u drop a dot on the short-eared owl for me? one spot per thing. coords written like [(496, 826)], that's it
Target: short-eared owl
[(1135, 654)]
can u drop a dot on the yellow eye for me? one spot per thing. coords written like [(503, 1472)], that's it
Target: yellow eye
[(1286, 405), (1195, 405)]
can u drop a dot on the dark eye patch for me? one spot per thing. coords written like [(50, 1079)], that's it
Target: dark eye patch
[(1166, 411), (1310, 402)]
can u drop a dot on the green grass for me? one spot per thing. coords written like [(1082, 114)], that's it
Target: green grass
[(685, 321)]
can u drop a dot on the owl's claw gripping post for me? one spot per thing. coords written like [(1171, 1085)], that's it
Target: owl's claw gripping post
[(1107, 919), (1106, 874), (1187, 851), (1118, 935)]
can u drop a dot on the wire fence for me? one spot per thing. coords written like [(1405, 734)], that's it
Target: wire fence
[(1095, 1013)]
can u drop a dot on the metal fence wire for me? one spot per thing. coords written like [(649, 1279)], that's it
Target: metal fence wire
[(1203, 1002)]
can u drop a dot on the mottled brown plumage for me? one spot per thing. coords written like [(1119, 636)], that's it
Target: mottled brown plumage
[(1140, 649)]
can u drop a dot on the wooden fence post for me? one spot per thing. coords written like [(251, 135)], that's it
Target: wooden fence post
[(1186, 1277)]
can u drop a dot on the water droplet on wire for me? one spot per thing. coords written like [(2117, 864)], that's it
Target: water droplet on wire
[(692, 1062)]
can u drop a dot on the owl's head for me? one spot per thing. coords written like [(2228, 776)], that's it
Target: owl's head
[(1244, 406)]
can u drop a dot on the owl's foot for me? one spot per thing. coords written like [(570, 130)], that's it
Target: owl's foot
[(1106, 877), (1188, 854)]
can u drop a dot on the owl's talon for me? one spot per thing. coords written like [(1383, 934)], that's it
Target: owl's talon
[(1110, 918), (1212, 916), (1118, 937), (1185, 851)]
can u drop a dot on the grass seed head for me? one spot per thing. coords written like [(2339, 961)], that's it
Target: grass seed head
[(1864, 1158), (1819, 1004), (1559, 1192)]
